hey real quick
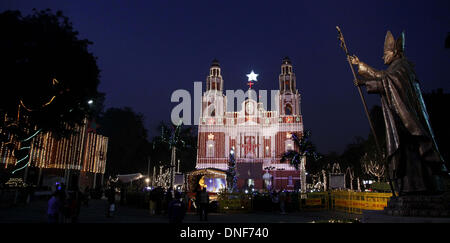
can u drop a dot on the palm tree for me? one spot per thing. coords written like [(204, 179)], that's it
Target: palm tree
[(305, 149), (175, 137)]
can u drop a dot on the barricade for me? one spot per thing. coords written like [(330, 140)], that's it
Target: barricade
[(314, 201), (345, 201)]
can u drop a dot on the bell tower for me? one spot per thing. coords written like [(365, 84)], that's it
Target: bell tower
[(214, 80), (289, 97), (213, 101)]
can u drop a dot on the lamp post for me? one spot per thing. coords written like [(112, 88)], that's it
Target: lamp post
[(147, 180), (231, 172), (268, 169)]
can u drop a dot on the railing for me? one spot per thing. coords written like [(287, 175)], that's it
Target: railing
[(343, 201), (314, 201)]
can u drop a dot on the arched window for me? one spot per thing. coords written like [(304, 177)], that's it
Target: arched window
[(288, 110), (212, 110), (289, 145), (210, 144)]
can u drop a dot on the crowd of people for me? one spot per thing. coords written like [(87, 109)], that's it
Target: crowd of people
[(175, 204), (279, 200), (64, 206)]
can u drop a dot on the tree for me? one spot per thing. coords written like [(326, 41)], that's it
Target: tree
[(373, 164), (351, 157), (178, 140), (48, 77), (304, 148), (231, 173), (128, 148), (43, 58)]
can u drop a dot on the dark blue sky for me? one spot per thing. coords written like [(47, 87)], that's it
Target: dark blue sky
[(148, 49)]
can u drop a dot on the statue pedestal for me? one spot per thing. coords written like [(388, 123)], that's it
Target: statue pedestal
[(419, 206), (369, 216)]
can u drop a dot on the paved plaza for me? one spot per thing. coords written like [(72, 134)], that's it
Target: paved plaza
[(95, 213)]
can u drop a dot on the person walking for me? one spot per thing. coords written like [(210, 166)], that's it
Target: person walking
[(86, 196), (54, 207), (176, 209), (204, 203), (152, 202), (111, 195), (167, 199), (283, 202), (76, 206), (275, 200), (197, 200)]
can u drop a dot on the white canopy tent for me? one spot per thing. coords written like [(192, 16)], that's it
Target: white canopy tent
[(129, 177)]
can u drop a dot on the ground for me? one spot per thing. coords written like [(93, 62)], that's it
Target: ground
[(35, 212)]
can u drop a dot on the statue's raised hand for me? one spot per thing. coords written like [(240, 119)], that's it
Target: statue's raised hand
[(354, 60)]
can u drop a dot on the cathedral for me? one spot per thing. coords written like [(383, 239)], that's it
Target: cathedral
[(257, 137)]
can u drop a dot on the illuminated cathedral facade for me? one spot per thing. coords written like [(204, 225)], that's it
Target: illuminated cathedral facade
[(257, 137)]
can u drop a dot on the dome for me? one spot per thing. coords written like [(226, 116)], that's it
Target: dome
[(286, 60), (215, 63)]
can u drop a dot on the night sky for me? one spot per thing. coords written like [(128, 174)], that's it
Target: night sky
[(148, 49)]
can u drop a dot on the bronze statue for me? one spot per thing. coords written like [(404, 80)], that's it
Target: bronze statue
[(415, 164)]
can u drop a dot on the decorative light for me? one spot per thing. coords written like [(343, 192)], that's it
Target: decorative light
[(252, 76), (90, 102), (38, 131), (211, 136)]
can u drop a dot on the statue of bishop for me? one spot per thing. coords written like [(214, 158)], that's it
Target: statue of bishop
[(415, 164)]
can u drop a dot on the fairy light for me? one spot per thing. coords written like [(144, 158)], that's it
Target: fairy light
[(20, 168), (24, 158), (256, 135), (22, 104), (32, 136)]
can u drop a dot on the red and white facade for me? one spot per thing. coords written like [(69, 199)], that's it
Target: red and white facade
[(258, 137)]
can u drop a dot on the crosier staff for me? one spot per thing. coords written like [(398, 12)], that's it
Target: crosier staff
[(344, 47)]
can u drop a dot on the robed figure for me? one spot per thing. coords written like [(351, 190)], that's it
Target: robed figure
[(415, 164)]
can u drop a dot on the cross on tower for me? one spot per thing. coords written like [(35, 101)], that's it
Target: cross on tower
[(252, 78)]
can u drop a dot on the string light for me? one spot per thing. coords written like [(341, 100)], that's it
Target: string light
[(32, 136), (21, 168), (21, 104), (22, 159), (257, 135)]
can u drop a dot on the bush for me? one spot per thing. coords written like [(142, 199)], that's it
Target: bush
[(380, 187)]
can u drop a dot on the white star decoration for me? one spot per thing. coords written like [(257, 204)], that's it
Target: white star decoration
[(252, 76)]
